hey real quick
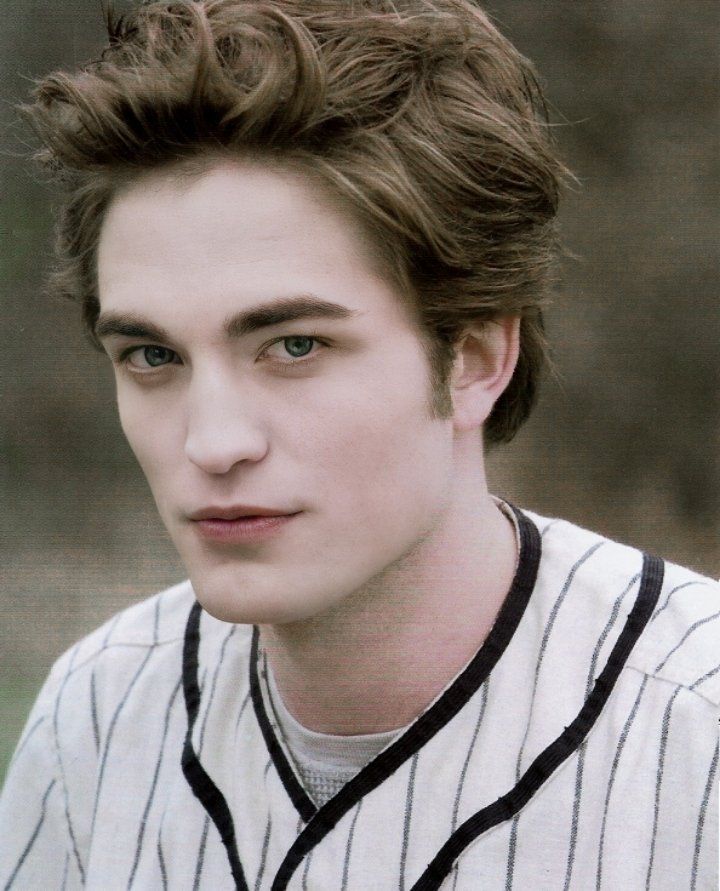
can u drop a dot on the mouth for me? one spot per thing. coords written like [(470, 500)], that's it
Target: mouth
[(235, 525), (238, 512)]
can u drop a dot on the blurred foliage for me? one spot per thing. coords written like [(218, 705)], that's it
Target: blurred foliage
[(625, 441)]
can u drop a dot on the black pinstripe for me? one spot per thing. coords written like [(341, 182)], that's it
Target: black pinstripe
[(611, 781), (116, 714), (200, 862), (213, 686), (658, 782), (56, 733), (468, 756), (161, 860), (463, 772), (709, 786), (581, 753), (153, 786), (93, 713), (407, 818), (348, 848), (263, 854), (688, 632), (241, 710), (66, 872), (33, 838), (543, 649), (661, 610)]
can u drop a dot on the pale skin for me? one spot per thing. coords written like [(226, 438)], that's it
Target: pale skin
[(392, 570)]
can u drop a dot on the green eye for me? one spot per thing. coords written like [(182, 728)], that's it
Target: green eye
[(298, 346), (144, 358), (155, 355)]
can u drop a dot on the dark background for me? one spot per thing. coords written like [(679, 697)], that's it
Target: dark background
[(625, 441)]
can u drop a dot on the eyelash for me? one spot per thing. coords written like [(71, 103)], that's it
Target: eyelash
[(124, 356)]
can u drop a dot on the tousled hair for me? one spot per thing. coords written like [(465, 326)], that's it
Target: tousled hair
[(418, 114)]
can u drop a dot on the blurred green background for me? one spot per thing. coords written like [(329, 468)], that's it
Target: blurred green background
[(625, 441)]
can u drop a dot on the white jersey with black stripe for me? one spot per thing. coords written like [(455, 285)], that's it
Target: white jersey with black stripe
[(577, 749)]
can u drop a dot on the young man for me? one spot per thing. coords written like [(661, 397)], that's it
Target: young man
[(314, 238)]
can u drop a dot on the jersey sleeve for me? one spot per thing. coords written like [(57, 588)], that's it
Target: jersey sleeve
[(36, 848)]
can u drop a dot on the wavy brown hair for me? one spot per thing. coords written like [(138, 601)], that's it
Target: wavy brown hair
[(418, 113)]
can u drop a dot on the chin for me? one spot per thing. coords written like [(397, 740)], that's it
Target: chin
[(245, 603)]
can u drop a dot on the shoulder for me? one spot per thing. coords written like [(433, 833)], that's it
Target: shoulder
[(139, 647), (157, 622), (678, 643)]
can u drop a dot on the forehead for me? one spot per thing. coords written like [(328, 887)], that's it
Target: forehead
[(235, 232)]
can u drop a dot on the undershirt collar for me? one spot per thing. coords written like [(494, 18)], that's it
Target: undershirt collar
[(324, 750)]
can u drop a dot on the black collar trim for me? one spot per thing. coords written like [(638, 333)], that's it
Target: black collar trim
[(547, 762), (202, 786), (430, 722), (299, 797)]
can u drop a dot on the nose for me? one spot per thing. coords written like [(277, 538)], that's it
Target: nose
[(222, 428)]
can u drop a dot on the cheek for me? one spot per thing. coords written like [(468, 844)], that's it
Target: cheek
[(149, 433), (138, 432), (380, 449), (383, 489)]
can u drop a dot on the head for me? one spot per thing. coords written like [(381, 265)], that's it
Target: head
[(417, 114), (399, 145)]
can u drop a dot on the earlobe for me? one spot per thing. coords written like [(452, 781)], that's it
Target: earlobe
[(486, 356)]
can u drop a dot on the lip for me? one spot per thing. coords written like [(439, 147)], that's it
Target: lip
[(237, 511), (240, 529)]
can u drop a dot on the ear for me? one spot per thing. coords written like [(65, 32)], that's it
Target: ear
[(485, 360)]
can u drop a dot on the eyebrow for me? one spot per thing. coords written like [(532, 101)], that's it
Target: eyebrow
[(277, 312)]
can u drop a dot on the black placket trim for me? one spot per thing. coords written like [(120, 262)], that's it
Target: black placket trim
[(435, 718), (548, 761), (201, 784), (299, 797)]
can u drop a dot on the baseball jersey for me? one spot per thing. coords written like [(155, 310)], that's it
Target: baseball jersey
[(577, 749)]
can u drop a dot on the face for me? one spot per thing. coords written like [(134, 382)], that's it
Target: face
[(273, 387)]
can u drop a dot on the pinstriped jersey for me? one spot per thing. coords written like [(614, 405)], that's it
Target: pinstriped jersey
[(577, 749)]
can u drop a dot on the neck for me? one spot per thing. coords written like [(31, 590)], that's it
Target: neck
[(377, 660)]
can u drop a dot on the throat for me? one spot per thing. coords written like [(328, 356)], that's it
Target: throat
[(324, 762)]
